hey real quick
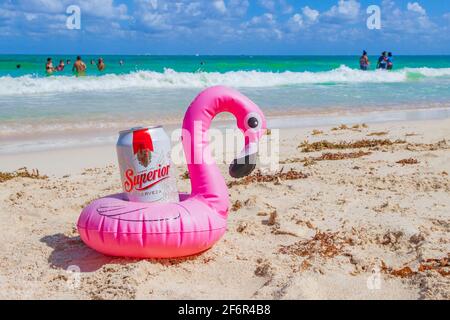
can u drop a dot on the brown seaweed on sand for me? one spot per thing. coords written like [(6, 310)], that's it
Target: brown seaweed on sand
[(355, 127), (364, 143), (440, 145), (442, 266), (21, 173), (404, 272), (341, 156), (381, 133), (276, 178), (236, 205), (408, 161), (185, 175), (272, 218), (324, 244), (329, 156)]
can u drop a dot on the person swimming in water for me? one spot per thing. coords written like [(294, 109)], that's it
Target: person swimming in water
[(49, 69), (382, 61), (79, 67), (101, 65), (61, 65), (364, 61), (390, 61)]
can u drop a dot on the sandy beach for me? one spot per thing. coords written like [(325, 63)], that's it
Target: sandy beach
[(365, 214)]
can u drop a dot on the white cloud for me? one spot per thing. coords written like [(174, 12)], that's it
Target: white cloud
[(412, 21), (345, 9), (47, 6), (103, 9), (266, 19), (311, 14), (99, 8), (416, 7), (296, 22), (264, 27), (281, 6), (219, 5), (238, 7), (267, 4), (303, 20), (286, 8)]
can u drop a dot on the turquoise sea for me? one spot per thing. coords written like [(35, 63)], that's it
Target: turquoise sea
[(36, 110)]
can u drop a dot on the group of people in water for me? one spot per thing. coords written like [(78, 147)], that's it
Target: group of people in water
[(385, 61), (79, 67)]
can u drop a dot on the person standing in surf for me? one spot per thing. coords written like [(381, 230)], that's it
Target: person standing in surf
[(390, 61), (61, 66), (49, 69), (382, 61), (79, 67), (364, 61), (101, 64)]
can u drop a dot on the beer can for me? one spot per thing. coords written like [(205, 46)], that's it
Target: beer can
[(145, 165)]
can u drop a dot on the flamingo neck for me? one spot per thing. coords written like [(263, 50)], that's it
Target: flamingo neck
[(206, 178)]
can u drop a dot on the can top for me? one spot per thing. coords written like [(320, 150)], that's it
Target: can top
[(139, 128)]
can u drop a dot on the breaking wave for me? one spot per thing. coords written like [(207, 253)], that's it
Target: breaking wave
[(240, 79)]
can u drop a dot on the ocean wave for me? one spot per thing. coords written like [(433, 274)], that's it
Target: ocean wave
[(240, 79)]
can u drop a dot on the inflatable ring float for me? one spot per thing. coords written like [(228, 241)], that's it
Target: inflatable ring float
[(117, 227)]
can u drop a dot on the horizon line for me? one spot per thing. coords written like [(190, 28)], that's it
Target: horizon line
[(210, 55)]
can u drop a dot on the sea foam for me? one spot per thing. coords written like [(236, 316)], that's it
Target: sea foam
[(240, 79)]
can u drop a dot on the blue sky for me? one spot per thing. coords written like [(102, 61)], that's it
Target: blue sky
[(224, 27)]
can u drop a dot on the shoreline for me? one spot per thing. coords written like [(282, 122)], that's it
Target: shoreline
[(73, 138)]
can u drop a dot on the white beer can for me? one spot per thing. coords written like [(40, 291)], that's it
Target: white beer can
[(145, 165)]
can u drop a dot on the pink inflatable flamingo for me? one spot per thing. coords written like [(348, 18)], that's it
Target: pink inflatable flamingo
[(117, 227)]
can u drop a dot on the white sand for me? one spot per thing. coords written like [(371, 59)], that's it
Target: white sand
[(331, 229)]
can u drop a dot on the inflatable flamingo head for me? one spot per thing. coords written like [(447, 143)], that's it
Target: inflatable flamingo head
[(252, 123), (250, 120)]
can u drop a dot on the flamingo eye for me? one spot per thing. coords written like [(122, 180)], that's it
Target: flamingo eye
[(253, 122)]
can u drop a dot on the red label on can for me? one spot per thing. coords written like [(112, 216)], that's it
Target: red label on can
[(142, 141)]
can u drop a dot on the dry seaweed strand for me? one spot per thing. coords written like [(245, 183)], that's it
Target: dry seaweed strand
[(236, 205), (324, 244), (259, 177), (185, 175), (355, 127), (381, 133), (21, 173), (408, 161), (272, 218), (440, 265), (341, 156), (364, 143), (440, 145), (328, 156)]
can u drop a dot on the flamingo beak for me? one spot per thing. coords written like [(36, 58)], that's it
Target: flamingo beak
[(245, 163)]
